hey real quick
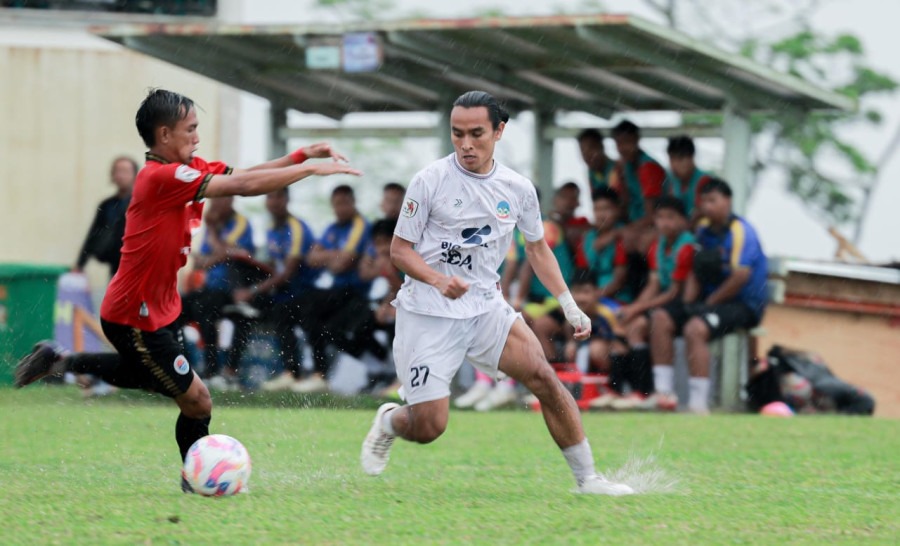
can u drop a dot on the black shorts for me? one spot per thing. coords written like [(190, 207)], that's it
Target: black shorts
[(155, 360), (721, 319)]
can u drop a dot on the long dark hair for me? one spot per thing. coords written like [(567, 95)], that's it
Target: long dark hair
[(474, 99)]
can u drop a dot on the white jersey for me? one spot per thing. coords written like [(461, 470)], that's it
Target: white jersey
[(462, 225)]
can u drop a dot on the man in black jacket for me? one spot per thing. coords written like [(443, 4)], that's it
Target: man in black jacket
[(104, 238)]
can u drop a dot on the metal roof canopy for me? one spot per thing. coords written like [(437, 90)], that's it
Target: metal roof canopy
[(599, 64)]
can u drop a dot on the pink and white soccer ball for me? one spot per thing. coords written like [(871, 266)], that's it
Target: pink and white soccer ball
[(217, 465)]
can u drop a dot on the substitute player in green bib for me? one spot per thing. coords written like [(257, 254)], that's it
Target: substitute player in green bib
[(685, 181)]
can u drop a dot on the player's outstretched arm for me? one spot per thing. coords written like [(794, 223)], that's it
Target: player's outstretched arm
[(547, 270), (406, 259), (263, 181), (320, 150)]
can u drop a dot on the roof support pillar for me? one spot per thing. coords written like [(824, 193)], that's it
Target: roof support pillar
[(277, 122), (443, 128), (736, 169), (542, 169)]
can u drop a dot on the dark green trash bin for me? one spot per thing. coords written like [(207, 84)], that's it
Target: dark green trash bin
[(27, 303)]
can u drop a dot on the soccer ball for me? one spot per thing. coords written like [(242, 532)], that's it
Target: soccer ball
[(217, 465)]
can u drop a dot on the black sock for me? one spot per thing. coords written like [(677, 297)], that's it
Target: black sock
[(106, 366), (188, 431), (99, 364), (641, 371), (618, 368)]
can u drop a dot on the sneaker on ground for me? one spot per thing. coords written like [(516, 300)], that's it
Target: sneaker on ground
[(312, 384), (475, 394), (659, 402), (101, 388), (631, 402), (242, 309), (218, 383), (599, 485), (376, 448), (392, 391), (501, 395), (281, 383), (604, 401), (698, 410), (38, 363)]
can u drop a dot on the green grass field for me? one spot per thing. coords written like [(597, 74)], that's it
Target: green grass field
[(106, 472)]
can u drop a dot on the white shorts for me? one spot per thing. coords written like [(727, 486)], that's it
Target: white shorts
[(428, 351)]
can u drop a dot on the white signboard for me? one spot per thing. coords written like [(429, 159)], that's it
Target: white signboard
[(361, 52)]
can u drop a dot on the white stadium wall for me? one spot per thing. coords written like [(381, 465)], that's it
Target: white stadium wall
[(67, 105)]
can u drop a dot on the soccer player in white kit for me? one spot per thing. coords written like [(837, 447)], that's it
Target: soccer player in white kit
[(454, 230)]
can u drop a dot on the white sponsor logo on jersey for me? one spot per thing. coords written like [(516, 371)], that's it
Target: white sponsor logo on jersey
[(186, 174)]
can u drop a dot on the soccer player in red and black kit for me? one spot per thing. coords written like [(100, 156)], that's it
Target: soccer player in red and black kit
[(142, 304)]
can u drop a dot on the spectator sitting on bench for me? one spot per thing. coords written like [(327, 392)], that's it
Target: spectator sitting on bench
[(392, 195), (533, 299), (671, 258), (601, 169), (726, 292), (605, 331), (227, 236), (642, 181), (685, 181), (281, 297), (377, 263), (338, 311), (603, 249)]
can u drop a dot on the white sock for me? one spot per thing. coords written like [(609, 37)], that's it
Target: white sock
[(699, 398), (386, 424), (664, 378), (580, 460)]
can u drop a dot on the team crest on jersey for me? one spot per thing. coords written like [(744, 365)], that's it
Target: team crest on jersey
[(410, 208), (182, 367), (186, 174), (503, 210)]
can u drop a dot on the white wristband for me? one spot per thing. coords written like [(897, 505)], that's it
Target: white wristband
[(565, 299)]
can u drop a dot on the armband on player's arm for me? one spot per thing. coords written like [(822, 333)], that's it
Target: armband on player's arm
[(299, 156)]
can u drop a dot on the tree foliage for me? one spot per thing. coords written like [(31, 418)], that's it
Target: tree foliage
[(828, 172)]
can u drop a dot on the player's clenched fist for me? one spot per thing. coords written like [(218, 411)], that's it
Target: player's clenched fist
[(452, 287), (575, 316)]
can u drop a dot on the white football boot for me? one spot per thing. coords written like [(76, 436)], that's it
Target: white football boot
[(598, 485), (376, 448), (281, 383), (475, 394), (501, 395)]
